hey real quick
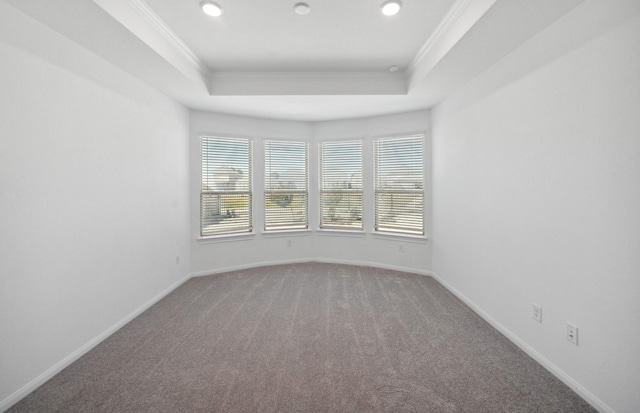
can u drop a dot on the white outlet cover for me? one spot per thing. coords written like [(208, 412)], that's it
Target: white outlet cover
[(537, 313), (572, 333)]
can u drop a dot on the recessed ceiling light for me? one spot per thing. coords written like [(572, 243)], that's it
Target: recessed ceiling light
[(393, 68), (390, 7), (211, 8), (302, 8)]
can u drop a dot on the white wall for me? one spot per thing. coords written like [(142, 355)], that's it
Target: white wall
[(93, 201), (228, 253), (537, 198)]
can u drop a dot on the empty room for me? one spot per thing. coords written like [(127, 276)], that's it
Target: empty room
[(320, 206)]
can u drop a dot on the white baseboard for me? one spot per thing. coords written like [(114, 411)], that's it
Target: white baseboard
[(249, 265), (55, 369), (19, 394), (58, 367), (302, 260), (375, 265), (552, 368)]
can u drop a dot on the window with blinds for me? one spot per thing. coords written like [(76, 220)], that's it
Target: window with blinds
[(286, 194), (399, 184), (340, 185), (225, 197)]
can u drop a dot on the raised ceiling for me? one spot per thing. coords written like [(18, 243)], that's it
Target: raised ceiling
[(262, 59), (336, 35)]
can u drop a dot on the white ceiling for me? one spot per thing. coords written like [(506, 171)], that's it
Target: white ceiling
[(261, 59), (258, 35)]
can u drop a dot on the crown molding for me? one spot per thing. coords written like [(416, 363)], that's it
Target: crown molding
[(144, 23), (462, 15), (138, 17), (143, 8), (307, 83)]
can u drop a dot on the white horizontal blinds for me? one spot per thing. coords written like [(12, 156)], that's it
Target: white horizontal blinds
[(341, 185), (225, 197), (286, 195), (399, 184)]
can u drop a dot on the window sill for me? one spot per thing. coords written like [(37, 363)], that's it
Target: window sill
[(418, 239), (226, 238)]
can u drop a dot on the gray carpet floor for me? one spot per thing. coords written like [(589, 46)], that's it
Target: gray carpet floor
[(307, 337)]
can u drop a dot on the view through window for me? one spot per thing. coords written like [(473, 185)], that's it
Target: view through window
[(398, 178), (399, 184), (225, 196), (286, 192), (341, 185)]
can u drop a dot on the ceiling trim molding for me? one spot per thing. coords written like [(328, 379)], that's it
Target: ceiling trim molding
[(143, 8), (453, 14), (144, 23), (138, 17), (307, 83), (462, 15)]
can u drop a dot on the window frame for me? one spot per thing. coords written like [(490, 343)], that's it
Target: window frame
[(350, 191), (380, 188), (245, 226), (290, 196)]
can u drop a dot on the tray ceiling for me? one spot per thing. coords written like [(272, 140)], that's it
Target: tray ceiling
[(262, 59)]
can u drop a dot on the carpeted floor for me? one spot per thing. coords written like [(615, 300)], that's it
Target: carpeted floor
[(306, 338)]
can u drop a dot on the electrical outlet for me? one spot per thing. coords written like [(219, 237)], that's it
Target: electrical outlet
[(401, 248), (289, 243), (537, 313), (572, 333), (177, 259)]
